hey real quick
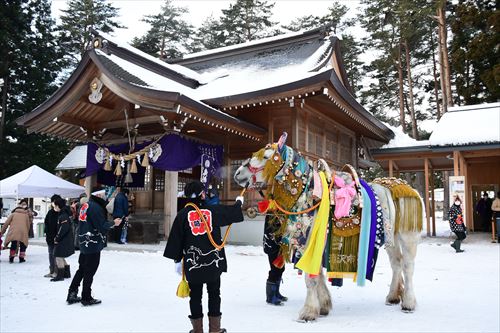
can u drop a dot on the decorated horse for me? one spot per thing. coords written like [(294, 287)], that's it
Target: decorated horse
[(333, 223)]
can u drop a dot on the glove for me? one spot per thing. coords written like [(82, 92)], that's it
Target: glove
[(178, 267), (241, 199)]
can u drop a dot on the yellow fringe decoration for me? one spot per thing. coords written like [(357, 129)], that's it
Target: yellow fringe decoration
[(133, 167), (118, 170), (408, 214), (403, 191), (344, 255), (183, 287), (107, 165), (310, 262), (145, 160)]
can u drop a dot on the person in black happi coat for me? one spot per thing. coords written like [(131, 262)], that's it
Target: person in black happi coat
[(189, 245)]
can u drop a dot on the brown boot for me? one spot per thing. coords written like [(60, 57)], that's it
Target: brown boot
[(197, 325), (214, 325)]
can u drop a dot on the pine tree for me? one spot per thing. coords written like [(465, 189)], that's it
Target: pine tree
[(247, 20), (79, 18), (350, 47), (31, 61), (169, 35), (209, 35), (474, 51)]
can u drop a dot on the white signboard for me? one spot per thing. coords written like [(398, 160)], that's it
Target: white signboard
[(457, 189)]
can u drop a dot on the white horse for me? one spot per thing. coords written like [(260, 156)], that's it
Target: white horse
[(401, 240)]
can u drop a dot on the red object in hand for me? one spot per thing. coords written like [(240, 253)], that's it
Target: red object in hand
[(279, 262), (263, 206)]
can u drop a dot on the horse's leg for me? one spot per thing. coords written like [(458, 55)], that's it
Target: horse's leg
[(311, 308), (396, 260), (409, 241), (325, 299)]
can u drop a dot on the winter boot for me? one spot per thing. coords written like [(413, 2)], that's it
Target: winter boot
[(50, 274), (73, 297), (272, 293), (454, 244), (12, 255), (214, 325), (59, 276), (197, 325), (281, 297), (90, 301), (22, 256), (67, 272), (457, 246)]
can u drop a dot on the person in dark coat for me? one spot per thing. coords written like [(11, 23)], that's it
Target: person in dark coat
[(483, 208), (63, 241), (50, 233), (271, 245), (457, 223), (189, 246), (93, 228), (120, 210)]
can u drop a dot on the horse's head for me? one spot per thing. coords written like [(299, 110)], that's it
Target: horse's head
[(257, 170)]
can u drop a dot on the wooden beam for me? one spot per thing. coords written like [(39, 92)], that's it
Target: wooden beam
[(131, 122), (427, 217), (456, 171), (433, 201), (75, 122)]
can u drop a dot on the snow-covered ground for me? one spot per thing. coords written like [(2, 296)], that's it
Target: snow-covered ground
[(455, 293)]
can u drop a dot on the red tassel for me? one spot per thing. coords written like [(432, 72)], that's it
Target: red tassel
[(263, 206), (279, 262)]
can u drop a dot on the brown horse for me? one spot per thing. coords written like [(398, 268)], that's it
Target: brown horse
[(288, 178)]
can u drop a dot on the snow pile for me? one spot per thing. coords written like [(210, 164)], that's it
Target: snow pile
[(402, 139)]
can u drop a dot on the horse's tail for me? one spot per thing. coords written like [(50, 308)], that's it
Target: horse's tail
[(410, 211)]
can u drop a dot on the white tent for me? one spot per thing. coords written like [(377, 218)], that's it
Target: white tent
[(35, 182)]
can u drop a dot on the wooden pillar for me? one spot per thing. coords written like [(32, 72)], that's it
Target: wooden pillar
[(90, 181), (152, 186), (468, 199), (170, 200), (433, 201), (391, 168), (295, 128), (427, 217), (456, 157)]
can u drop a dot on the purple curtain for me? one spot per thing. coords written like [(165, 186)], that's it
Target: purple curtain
[(171, 153)]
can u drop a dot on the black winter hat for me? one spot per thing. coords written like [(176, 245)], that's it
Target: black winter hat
[(195, 187)]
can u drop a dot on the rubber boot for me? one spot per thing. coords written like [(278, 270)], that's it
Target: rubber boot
[(457, 246), (197, 325), (67, 272), (22, 256), (281, 297), (272, 293), (214, 325), (59, 276), (12, 255), (454, 244), (73, 297), (50, 274)]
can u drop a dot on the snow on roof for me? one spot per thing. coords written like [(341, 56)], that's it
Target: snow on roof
[(468, 125), (402, 139), (76, 159), (243, 45), (177, 68)]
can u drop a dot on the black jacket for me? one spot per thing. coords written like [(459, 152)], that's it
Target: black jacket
[(270, 241), (51, 226), (188, 240), (63, 240), (93, 226)]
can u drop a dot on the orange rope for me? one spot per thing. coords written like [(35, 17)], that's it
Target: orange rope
[(205, 223), (284, 211)]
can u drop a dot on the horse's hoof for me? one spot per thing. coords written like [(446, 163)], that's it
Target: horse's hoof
[(394, 301), (324, 313), (407, 310), (305, 320)]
